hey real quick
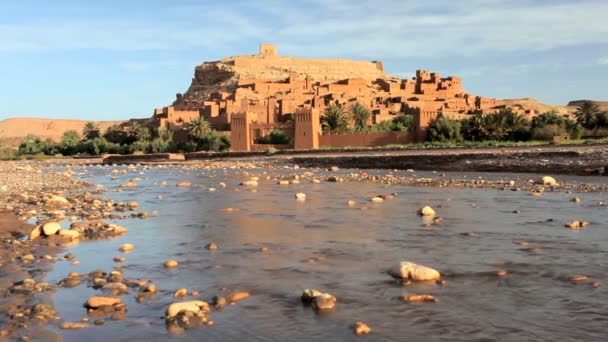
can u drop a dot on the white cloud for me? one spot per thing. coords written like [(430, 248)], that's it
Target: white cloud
[(602, 60), (365, 28)]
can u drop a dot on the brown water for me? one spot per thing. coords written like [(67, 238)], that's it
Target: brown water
[(532, 303)]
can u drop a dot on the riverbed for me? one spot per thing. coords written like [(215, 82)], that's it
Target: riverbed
[(325, 244)]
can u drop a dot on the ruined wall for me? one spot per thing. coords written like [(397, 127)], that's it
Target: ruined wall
[(371, 139)]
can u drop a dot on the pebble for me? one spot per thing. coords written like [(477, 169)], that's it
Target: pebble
[(236, 296), (420, 298), (119, 259), (324, 302), (309, 294), (212, 247), (170, 264), (300, 196), (73, 325), (127, 247), (181, 293), (361, 328)]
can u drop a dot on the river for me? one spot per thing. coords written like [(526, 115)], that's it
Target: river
[(323, 243)]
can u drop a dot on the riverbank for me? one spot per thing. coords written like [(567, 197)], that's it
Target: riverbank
[(557, 159), (25, 298)]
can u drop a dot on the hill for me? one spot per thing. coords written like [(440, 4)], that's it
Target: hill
[(13, 130), (575, 103)]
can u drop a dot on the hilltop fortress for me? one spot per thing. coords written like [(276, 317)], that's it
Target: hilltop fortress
[(266, 91)]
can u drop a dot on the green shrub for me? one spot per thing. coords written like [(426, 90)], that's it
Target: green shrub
[(444, 130), (402, 123), (211, 141), (276, 137)]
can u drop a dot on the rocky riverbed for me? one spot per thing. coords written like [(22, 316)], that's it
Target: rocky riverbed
[(89, 246)]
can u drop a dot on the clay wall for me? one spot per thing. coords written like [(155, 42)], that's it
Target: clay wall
[(308, 129), (365, 139), (240, 134), (265, 147)]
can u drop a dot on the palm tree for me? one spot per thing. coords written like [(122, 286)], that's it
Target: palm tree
[(138, 132), (198, 127), (360, 115), (165, 134), (334, 120), (91, 131), (586, 114)]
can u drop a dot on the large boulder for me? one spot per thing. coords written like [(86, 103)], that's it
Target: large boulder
[(194, 306), (409, 270), (72, 234), (51, 228), (546, 180), (426, 211), (98, 301)]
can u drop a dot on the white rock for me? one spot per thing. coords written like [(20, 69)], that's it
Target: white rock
[(411, 271), (250, 183), (57, 199), (194, 306), (546, 180), (72, 234), (35, 233), (426, 211), (51, 228), (300, 196)]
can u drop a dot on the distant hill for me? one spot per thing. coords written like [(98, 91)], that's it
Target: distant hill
[(13, 130), (602, 104), (533, 104)]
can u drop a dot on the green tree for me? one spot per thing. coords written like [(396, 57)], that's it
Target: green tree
[(444, 130), (211, 141), (601, 120), (91, 131), (199, 127), (117, 135), (547, 125), (586, 114), (360, 116), (138, 132), (165, 134), (334, 120), (69, 143), (31, 144)]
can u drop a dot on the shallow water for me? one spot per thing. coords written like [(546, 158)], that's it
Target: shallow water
[(532, 303)]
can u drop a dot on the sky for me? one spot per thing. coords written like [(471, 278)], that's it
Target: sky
[(113, 60)]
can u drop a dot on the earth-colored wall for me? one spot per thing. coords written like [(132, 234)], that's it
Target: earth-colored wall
[(365, 139)]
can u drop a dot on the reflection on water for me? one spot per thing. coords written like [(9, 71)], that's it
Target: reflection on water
[(322, 243)]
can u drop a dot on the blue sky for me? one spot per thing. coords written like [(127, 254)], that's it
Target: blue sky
[(109, 60)]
